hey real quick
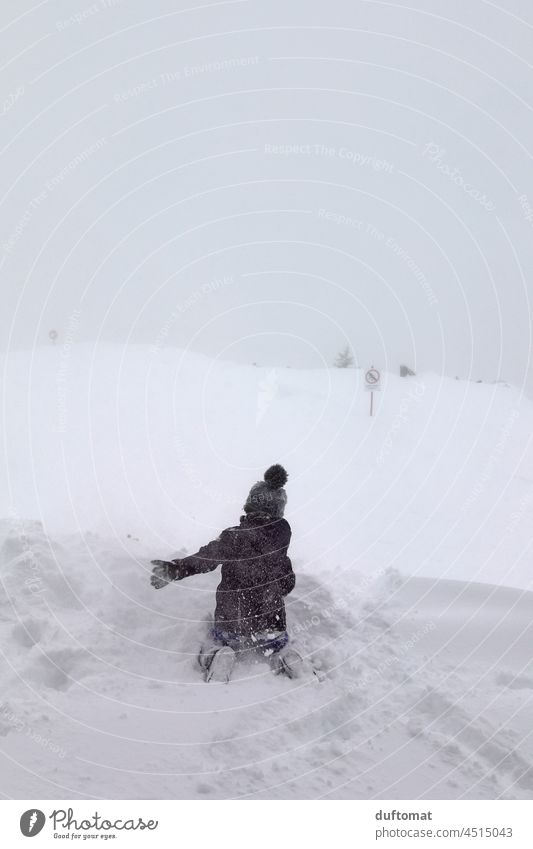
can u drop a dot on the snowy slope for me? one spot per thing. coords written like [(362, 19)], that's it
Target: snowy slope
[(164, 445), (116, 456)]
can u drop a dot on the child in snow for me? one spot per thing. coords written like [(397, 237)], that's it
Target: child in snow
[(256, 576)]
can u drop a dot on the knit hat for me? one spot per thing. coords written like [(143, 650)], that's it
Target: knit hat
[(268, 496)]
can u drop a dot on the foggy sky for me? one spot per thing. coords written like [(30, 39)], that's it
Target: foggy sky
[(265, 182)]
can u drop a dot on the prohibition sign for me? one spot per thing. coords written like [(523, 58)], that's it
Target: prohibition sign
[(372, 376)]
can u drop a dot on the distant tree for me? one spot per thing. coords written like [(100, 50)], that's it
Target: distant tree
[(344, 358)]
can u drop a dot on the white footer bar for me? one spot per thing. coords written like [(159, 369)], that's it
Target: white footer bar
[(267, 824)]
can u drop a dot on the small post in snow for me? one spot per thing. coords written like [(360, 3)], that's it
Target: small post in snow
[(372, 379)]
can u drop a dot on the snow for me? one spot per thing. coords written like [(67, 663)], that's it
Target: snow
[(411, 546)]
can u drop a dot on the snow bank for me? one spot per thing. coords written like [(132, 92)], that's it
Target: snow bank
[(426, 686)]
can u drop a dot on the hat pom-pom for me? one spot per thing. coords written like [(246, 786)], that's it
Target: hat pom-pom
[(276, 476)]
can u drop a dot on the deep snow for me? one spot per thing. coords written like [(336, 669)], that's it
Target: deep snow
[(114, 456)]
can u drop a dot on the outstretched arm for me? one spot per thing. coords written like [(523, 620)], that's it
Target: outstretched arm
[(206, 559)]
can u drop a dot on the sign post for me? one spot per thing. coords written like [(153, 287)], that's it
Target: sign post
[(372, 384)]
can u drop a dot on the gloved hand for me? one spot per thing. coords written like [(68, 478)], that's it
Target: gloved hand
[(162, 573)]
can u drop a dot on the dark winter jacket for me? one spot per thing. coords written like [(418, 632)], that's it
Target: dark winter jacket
[(256, 574)]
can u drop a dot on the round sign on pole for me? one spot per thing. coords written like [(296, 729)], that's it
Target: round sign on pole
[(372, 376)]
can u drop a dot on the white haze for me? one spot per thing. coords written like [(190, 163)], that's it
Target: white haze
[(265, 182)]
